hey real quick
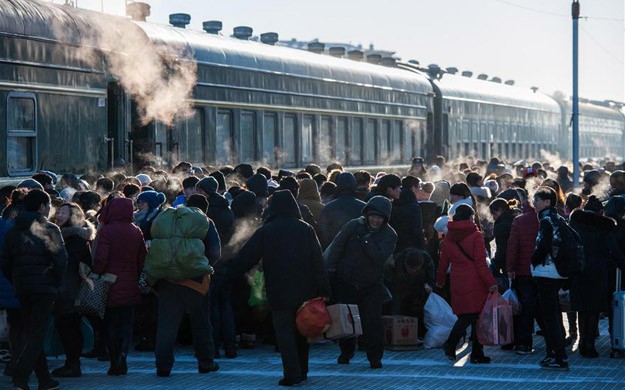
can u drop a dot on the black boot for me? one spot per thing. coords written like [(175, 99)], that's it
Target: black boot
[(122, 367), (69, 370), (114, 356)]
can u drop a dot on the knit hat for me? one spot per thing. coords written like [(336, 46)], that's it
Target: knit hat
[(144, 179), (221, 180), (152, 198), (190, 182), (30, 184), (244, 170), (257, 184), (208, 184)]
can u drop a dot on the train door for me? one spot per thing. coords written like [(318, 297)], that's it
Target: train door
[(186, 138), (118, 142)]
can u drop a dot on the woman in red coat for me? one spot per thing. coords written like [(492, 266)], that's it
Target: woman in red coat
[(120, 250), (471, 280)]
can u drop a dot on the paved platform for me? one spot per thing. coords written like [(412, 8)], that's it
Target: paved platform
[(426, 369)]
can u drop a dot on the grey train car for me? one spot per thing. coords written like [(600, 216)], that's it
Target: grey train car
[(251, 102)]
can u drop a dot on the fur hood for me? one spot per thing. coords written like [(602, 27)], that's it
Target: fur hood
[(592, 219), (86, 232)]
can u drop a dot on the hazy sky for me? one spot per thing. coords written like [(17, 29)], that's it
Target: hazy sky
[(529, 41)]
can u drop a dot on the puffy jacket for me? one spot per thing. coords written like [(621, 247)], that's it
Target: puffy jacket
[(470, 277), (291, 256), (358, 253), (177, 250), (501, 231), (120, 250), (407, 222), (522, 241), (33, 256)]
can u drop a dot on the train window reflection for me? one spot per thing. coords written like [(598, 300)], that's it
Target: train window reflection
[(223, 137), (396, 141), (188, 138), (383, 141), (288, 141), (324, 145), (246, 140), (269, 138), (307, 138), (341, 139), (356, 142), (21, 152), (369, 144)]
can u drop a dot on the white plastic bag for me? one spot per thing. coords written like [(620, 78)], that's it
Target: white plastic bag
[(439, 319), (513, 300)]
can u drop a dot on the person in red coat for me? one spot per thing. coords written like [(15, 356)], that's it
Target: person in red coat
[(120, 250), (519, 260), (471, 280)]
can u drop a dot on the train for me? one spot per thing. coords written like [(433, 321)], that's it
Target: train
[(81, 91)]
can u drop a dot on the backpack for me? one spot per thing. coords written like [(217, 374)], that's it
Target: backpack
[(570, 258)]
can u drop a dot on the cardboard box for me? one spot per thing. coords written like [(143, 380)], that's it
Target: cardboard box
[(345, 321), (400, 333), (503, 325)]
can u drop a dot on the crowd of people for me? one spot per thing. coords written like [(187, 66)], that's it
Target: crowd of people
[(185, 247)]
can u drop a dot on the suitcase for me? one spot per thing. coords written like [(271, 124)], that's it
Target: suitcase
[(618, 319)]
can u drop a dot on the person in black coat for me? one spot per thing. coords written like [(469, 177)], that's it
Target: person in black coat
[(503, 212), (406, 216), (357, 257), (34, 259), (341, 210), (294, 273), (589, 289), (218, 208), (615, 209)]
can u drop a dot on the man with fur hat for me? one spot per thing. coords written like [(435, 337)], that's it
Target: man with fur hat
[(356, 259)]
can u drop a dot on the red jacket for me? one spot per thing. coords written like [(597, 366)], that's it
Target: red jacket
[(470, 278), (120, 250), (522, 242)]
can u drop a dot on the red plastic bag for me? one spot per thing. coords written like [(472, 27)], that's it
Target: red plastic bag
[(494, 326), (312, 318)]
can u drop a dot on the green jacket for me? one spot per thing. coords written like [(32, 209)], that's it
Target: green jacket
[(177, 250)]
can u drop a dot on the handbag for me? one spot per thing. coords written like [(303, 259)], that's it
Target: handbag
[(93, 294), (312, 318), (495, 326)]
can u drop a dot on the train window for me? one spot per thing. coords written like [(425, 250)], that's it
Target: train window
[(188, 138), (223, 138), (383, 141), (21, 133), (307, 138), (341, 139), (247, 137), (407, 145), (324, 144), (289, 154), (369, 144), (396, 141), (270, 124), (355, 150)]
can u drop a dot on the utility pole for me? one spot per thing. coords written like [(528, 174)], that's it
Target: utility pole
[(575, 103)]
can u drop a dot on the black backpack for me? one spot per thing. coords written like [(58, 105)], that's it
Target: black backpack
[(570, 258)]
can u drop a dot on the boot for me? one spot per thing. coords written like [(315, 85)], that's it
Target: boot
[(69, 370), (114, 367), (122, 367)]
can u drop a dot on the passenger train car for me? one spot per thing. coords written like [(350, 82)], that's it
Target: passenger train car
[(63, 107)]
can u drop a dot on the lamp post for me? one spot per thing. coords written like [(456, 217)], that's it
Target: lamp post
[(575, 104)]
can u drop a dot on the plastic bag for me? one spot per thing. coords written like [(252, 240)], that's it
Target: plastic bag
[(513, 300), (258, 293), (439, 319), (313, 318), (495, 325)]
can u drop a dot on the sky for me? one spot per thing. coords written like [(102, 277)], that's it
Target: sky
[(529, 41)]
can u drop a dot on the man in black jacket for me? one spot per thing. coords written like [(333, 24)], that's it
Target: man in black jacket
[(218, 208), (34, 259), (294, 273), (406, 216)]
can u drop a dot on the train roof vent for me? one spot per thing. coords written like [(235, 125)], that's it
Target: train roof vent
[(388, 61), (179, 20), (242, 32), (355, 55), (138, 11), (316, 47), (482, 76), (496, 80), (212, 26), (467, 73), (414, 62), (534, 89), (269, 38), (509, 82), (374, 58), (452, 70), (337, 51)]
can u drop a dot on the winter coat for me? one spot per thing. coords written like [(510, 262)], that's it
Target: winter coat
[(309, 196), (501, 231), (120, 251), (547, 245), (219, 212), (33, 257), (8, 298), (291, 255), (177, 251), (358, 253), (407, 222), (404, 284), (588, 290), (78, 251), (521, 242), (470, 277), (341, 210)]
